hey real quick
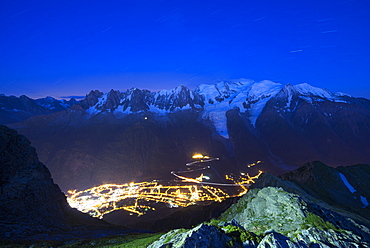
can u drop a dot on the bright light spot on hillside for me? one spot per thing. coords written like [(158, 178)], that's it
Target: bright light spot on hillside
[(200, 156), (255, 163)]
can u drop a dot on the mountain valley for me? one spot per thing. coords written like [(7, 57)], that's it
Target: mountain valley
[(313, 206), (140, 135), (135, 136)]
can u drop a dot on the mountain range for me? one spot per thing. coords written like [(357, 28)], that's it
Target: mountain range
[(143, 135)]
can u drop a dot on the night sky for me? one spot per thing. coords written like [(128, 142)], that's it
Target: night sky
[(67, 48)]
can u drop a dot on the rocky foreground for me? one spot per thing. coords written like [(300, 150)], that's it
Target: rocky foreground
[(271, 217), (313, 206)]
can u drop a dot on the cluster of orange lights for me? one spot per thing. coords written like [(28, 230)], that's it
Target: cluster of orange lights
[(135, 197), (200, 156), (103, 199)]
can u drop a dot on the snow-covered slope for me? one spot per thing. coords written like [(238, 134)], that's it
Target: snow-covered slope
[(311, 93), (213, 100), (248, 96)]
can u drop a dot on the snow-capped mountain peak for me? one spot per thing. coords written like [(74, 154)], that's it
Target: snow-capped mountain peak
[(222, 90), (212, 100), (248, 96), (308, 90), (264, 88)]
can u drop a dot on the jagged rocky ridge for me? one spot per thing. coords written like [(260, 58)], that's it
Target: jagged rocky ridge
[(142, 135), (14, 109), (56, 105), (31, 205), (271, 217)]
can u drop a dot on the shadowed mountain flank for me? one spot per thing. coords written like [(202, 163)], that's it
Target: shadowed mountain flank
[(30, 203)]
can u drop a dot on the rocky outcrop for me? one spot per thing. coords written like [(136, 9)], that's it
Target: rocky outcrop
[(267, 209), (346, 218), (274, 239), (91, 99), (136, 100), (30, 202), (202, 236), (267, 218)]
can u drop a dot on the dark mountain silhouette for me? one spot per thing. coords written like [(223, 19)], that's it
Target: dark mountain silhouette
[(31, 205), (14, 109), (344, 187)]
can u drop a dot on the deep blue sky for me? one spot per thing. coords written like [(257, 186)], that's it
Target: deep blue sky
[(62, 48)]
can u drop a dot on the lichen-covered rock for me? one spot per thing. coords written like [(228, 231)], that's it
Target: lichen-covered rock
[(250, 244), (268, 208), (202, 236), (312, 237), (277, 240), (329, 238), (341, 218)]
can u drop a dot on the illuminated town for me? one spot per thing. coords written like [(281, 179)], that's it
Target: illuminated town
[(136, 197)]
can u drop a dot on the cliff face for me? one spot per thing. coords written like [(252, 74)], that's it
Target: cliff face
[(30, 202)]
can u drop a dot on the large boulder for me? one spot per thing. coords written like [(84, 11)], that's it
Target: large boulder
[(268, 208)]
